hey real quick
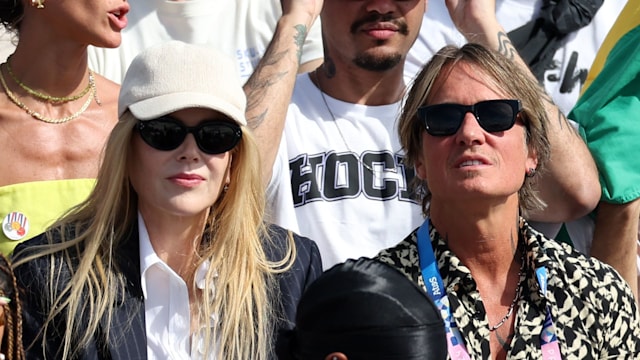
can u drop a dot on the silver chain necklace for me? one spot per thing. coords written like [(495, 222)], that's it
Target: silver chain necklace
[(515, 299), (335, 121)]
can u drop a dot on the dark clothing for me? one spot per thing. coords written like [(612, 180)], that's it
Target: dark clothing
[(538, 40), (127, 338)]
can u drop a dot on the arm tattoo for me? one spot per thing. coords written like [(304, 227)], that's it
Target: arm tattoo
[(505, 47), (561, 118), (256, 90), (257, 86), (299, 38)]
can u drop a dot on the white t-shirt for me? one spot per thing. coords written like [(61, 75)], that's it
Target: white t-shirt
[(346, 180), (240, 28), (572, 60)]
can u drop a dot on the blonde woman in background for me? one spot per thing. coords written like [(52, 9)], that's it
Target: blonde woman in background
[(169, 257)]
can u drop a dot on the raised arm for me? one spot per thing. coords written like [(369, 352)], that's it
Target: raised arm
[(270, 87), (570, 186)]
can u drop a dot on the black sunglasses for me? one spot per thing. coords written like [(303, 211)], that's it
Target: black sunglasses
[(492, 115), (212, 136)]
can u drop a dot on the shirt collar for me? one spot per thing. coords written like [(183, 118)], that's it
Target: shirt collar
[(148, 256)]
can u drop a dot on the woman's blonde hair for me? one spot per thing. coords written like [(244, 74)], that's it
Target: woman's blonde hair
[(506, 77), (233, 242)]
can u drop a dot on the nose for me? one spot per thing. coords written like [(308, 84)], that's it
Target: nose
[(470, 131), (381, 6), (188, 150)]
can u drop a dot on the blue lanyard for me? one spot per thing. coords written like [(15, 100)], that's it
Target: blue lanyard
[(438, 293)]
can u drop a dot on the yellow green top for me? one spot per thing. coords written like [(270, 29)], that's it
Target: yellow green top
[(27, 209)]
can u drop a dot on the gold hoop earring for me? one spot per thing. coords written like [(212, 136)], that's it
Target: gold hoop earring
[(38, 4)]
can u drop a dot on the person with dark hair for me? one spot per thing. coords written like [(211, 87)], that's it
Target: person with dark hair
[(364, 310), (339, 167), (475, 129), (55, 112)]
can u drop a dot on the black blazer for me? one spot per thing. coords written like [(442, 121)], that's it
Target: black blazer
[(127, 338)]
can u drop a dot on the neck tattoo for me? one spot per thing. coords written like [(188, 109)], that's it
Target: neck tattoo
[(516, 298), (344, 140)]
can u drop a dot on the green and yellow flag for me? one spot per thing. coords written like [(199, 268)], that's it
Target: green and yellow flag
[(609, 109), (628, 19)]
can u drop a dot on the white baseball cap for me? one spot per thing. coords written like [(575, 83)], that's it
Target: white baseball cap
[(175, 75)]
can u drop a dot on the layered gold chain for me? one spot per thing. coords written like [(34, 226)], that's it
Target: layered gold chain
[(92, 95), (46, 97)]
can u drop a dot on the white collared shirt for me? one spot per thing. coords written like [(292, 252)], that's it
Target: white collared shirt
[(166, 303)]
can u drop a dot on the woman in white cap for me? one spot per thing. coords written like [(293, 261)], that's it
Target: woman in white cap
[(170, 256)]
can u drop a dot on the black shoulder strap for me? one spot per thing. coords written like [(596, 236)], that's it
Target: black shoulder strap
[(539, 39)]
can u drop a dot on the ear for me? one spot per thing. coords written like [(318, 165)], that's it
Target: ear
[(420, 168), (336, 356), (532, 160)]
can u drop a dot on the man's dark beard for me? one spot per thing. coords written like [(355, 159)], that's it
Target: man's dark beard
[(377, 63), (373, 63)]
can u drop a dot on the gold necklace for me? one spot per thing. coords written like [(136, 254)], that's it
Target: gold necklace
[(46, 97), (335, 121), (37, 115)]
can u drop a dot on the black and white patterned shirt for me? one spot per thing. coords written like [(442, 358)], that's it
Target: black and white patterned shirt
[(593, 308)]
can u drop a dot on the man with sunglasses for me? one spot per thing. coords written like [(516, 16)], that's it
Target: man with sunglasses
[(340, 162), (504, 290)]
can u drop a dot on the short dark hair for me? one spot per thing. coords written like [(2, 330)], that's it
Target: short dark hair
[(367, 310)]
